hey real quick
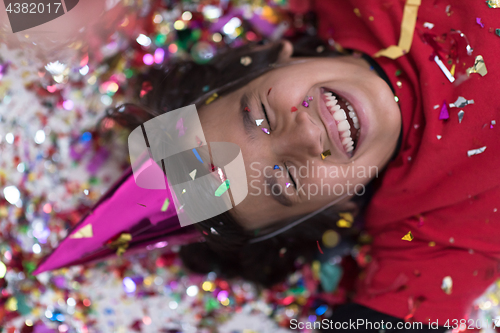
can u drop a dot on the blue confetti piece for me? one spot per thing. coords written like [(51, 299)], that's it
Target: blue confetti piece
[(321, 310), (197, 155), (276, 167), (87, 136)]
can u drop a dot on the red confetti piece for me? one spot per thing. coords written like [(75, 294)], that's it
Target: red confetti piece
[(319, 247), (294, 109), (269, 91), (146, 87), (247, 109)]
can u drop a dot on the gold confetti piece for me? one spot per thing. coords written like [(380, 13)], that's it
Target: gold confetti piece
[(479, 67), (432, 244), (476, 151), (452, 70), (120, 244), (493, 3), (183, 191), (357, 12), (325, 154), (330, 238), (11, 304), (347, 216), (447, 284), (245, 61), (408, 237), (342, 223), (407, 29), (192, 174), (85, 232), (165, 205), (211, 98)]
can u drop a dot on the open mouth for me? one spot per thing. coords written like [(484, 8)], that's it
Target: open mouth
[(345, 117)]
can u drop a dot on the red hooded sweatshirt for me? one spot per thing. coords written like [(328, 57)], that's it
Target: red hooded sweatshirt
[(446, 198)]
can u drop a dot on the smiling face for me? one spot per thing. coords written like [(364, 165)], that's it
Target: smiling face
[(308, 106)]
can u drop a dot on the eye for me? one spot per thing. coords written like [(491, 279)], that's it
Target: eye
[(290, 175), (265, 115)]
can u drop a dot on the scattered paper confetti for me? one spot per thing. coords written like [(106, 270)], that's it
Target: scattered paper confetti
[(294, 109), (460, 116), (444, 69), (428, 25), (408, 237), (479, 67), (461, 102), (84, 232), (439, 137), (493, 3), (497, 32), (444, 113), (211, 98), (259, 121), (247, 109), (493, 122), (478, 21), (192, 174), (222, 188), (165, 205), (276, 167), (447, 284), (269, 91), (213, 231), (325, 154), (195, 152), (245, 61), (141, 205), (476, 151), (265, 130), (319, 247)]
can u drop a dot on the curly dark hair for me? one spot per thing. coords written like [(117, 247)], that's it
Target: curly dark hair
[(228, 251)]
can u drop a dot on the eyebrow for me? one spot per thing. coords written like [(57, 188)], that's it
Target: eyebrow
[(280, 198)]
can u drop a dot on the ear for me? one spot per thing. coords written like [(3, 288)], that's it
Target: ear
[(286, 52)]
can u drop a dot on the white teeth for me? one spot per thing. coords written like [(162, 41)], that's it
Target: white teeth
[(346, 141), (349, 107), (351, 148), (352, 114), (327, 93), (331, 103), (339, 114), (343, 126), (346, 134)]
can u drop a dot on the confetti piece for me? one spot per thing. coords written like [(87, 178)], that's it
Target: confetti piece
[(461, 102), (330, 238), (452, 70), (245, 61), (141, 205), (408, 237), (476, 151), (460, 116), (439, 137), (479, 67), (294, 109), (247, 109), (85, 232), (180, 127), (269, 91), (493, 122), (493, 3), (319, 247), (447, 284), (213, 231), (444, 113), (325, 154), (444, 69), (183, 191), (192, 174), (197, 155), (276, 167), (343, 223), (259, 121), (211, 98), (497, 32), (198, 141), (428, 25), (165, 205), (265, 130), (348, 216), (222, 188), (407, 29), (288, 185), (478, 21)]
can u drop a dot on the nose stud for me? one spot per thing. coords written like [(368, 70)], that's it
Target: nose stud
[(306, 101)]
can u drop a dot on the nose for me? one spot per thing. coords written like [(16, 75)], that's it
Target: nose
[(300, 139)]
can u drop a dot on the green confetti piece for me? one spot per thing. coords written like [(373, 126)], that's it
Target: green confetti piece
[(165, 205), (497, 32), (398, 72), (222, 188)]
